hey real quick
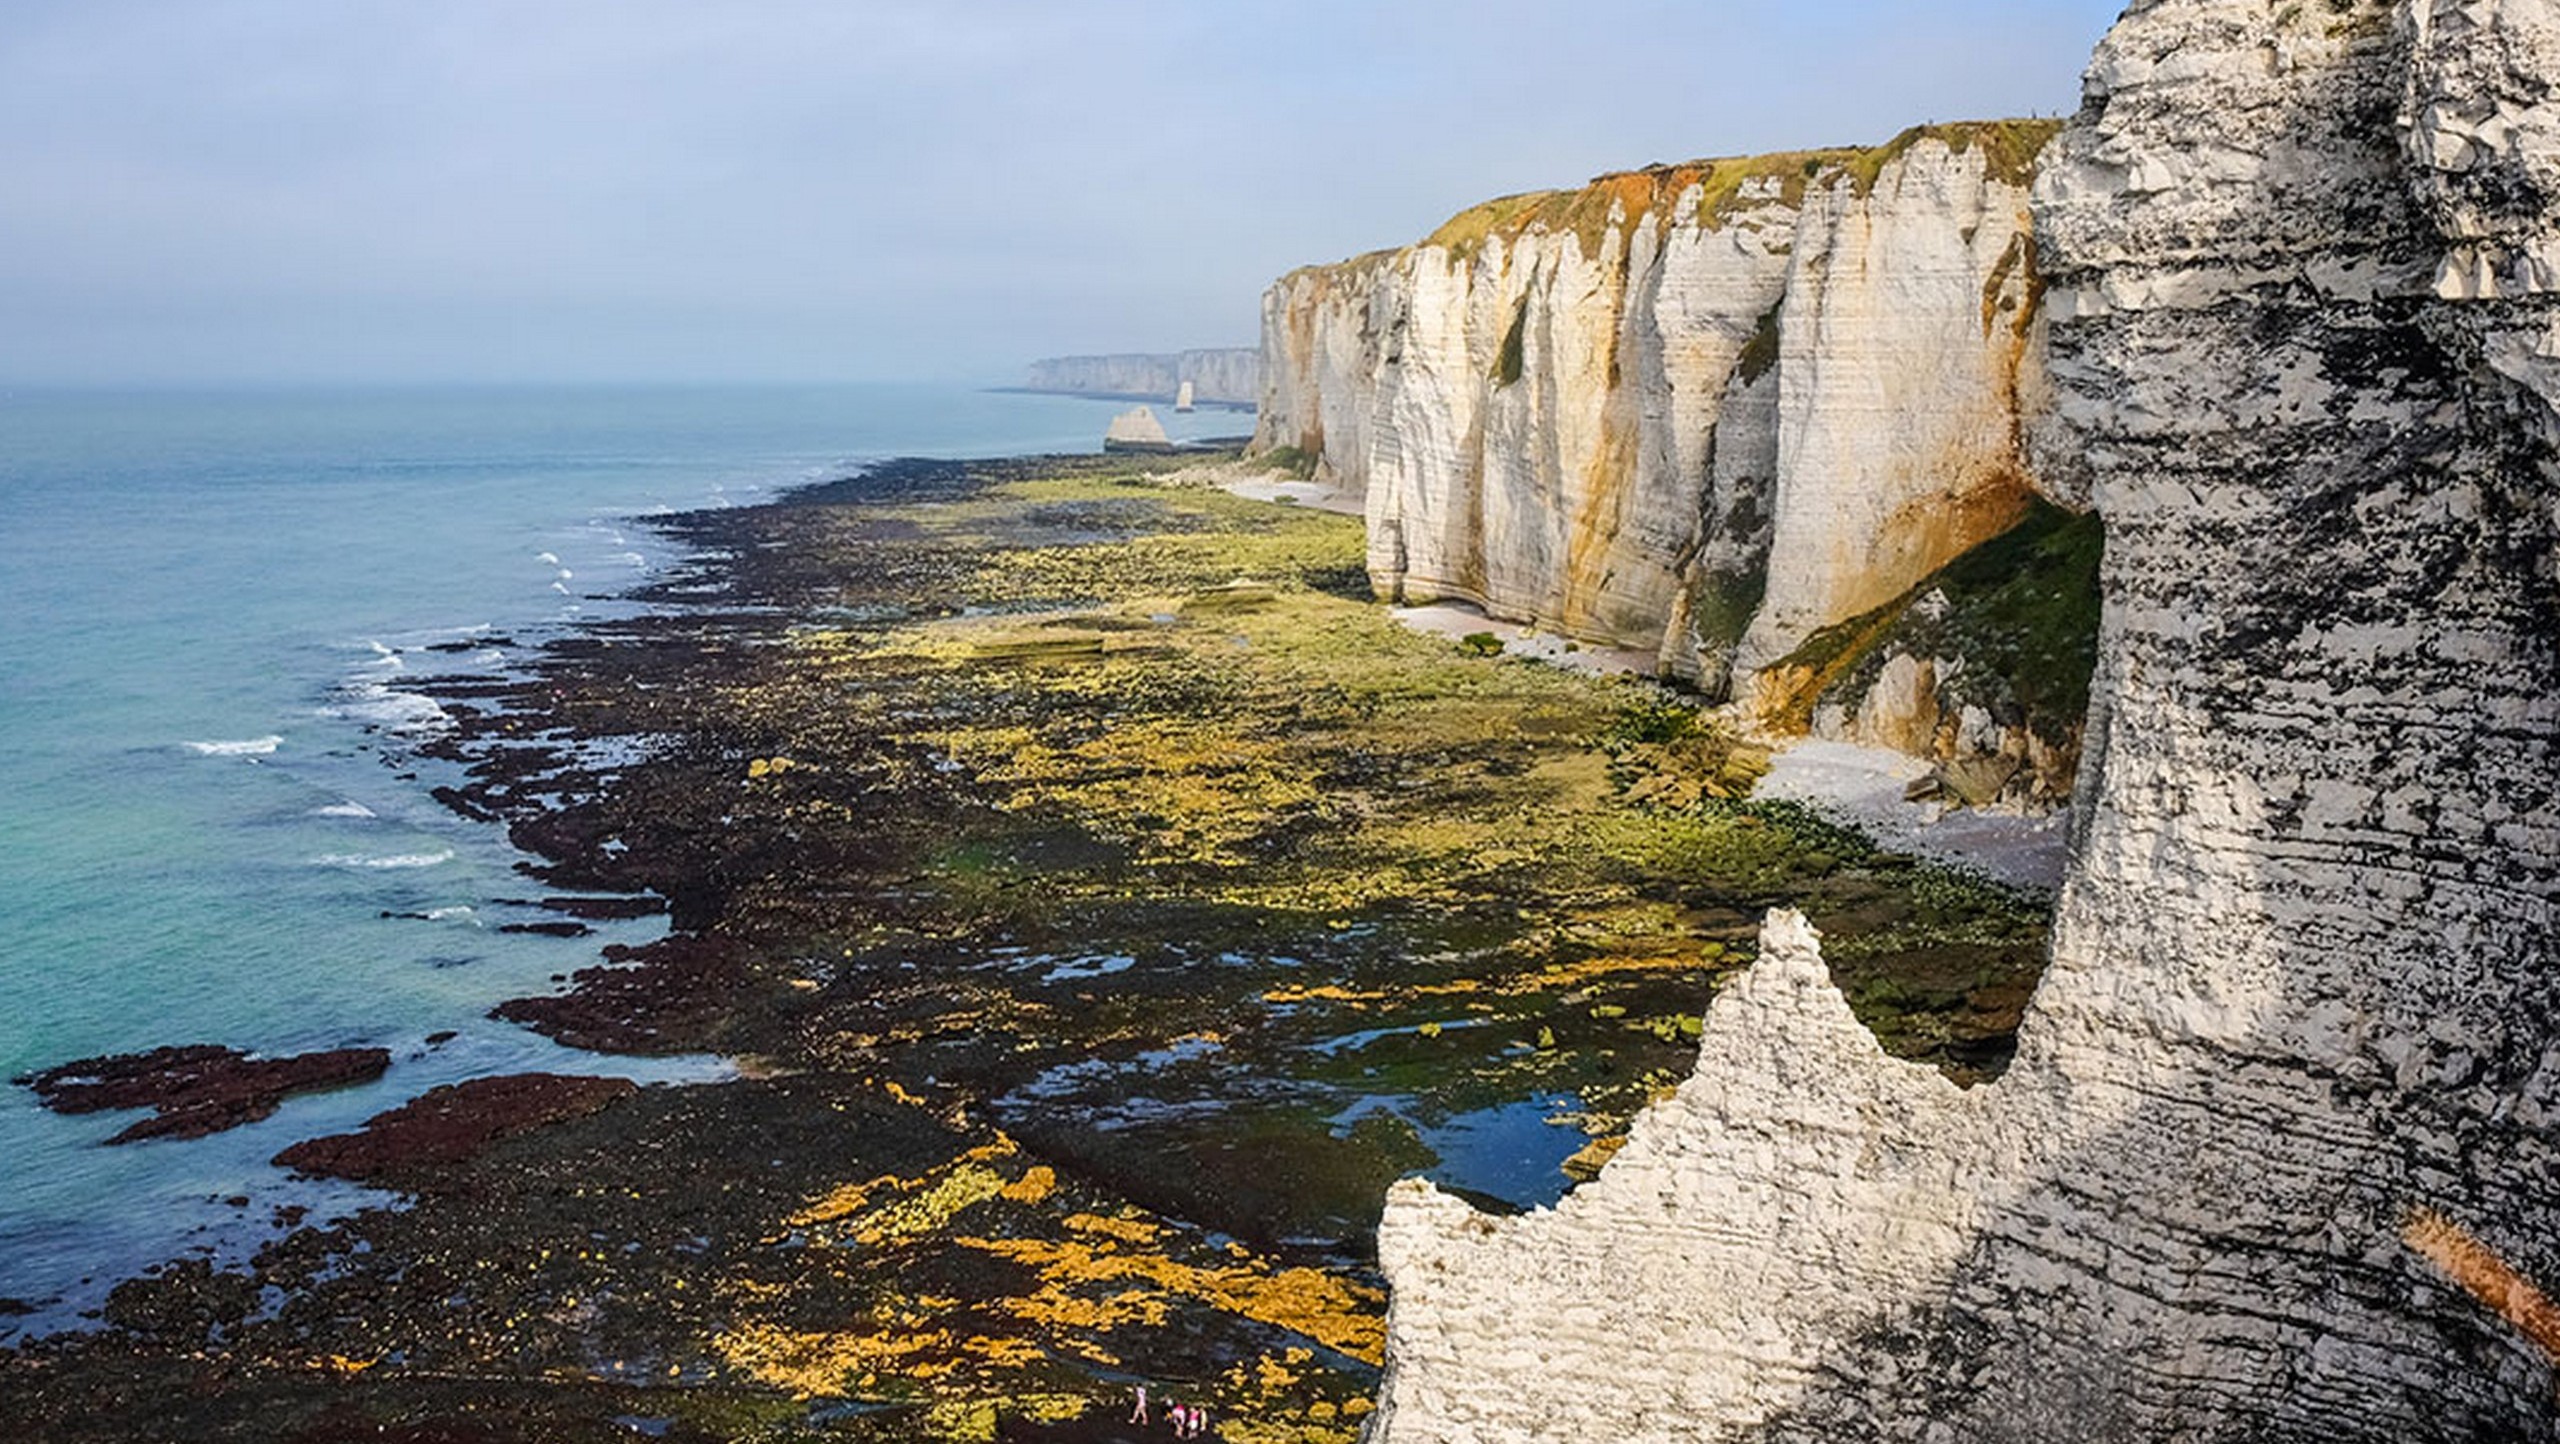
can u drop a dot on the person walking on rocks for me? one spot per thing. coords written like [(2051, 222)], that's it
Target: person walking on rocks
[(1138, 1415)]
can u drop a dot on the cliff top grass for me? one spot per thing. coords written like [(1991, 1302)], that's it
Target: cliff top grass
[(1622, 198)]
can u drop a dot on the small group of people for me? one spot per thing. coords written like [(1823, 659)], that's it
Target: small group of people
[(1189, 1421)]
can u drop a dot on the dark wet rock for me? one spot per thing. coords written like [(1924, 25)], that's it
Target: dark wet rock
[(439, 1039), (349, 1425), (182, 1300), (413, 1145), (672, 996), (605, 909), (549, 930), (460, 802), (198, 1089), (15, 1308)]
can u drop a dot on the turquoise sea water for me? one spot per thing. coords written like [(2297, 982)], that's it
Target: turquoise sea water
[(208, 604)]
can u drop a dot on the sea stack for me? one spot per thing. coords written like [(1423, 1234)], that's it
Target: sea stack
[(1136, 429)]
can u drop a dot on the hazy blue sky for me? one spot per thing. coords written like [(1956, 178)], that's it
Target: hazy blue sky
[(247, 190)]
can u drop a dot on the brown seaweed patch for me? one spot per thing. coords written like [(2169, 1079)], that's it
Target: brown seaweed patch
[(199, 1089), (417, 1144)]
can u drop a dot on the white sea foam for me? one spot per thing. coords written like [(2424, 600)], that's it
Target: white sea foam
[(441, 915), (343, 809), (376, 705), (250, 747), (396, 860), (548, 559)]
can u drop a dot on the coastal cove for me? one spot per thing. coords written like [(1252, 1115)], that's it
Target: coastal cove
[(1102, 900)]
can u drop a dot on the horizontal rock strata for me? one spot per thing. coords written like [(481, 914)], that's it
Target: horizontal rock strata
[(2276, 1158)]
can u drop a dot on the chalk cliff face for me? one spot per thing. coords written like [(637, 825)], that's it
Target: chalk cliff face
[(1708, 409), (2279, 1156), (1232, 375)]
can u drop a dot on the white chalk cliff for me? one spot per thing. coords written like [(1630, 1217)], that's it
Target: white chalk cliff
[(1229, 375), (1706, 409), (2279, 1156)]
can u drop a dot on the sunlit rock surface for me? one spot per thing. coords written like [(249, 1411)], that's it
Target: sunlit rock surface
[(2276, 1159), (1704, 410)]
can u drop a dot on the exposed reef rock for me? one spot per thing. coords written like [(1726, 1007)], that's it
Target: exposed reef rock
[(198, 1089), (1230, 376), (2276, 1158), (416, 1145), (1708, 409)]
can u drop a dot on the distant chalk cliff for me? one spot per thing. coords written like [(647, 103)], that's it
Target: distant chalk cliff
[(1230, 376)]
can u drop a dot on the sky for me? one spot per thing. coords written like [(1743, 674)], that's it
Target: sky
[(436, 191)]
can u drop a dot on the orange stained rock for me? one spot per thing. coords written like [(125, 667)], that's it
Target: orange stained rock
[(846, 1200), (2486, 1277), (808, 1364), (1054, 1307), (1327, 992), (1035, 1184), (1309, 1302), (1127, 1230)]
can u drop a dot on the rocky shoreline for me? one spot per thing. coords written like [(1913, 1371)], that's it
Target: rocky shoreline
[(1098, 938)]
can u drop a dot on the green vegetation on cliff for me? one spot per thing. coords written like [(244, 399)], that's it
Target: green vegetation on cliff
[(1727, 185), (2018, 613)]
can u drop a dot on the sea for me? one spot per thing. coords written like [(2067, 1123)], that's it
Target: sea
[(213, 828)]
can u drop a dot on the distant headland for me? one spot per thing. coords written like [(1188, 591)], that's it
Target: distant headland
[(1229, 377)]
